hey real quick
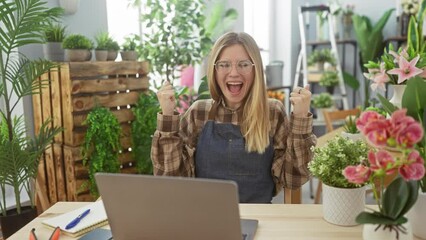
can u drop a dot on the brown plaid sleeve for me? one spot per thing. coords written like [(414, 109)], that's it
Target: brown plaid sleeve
[(174, 141), (293, 139)]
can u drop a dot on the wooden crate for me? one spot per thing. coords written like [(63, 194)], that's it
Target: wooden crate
[(72, 91)]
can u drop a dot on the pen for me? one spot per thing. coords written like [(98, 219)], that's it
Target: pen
[(74, 222)]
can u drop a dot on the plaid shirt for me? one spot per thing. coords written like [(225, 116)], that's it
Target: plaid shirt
[(174, 143)]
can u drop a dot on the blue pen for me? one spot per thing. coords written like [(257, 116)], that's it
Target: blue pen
[(74, 222)]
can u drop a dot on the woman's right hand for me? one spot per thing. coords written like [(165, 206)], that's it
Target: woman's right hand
[(166, 97)]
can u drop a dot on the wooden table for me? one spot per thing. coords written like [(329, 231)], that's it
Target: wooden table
[(276, 221)]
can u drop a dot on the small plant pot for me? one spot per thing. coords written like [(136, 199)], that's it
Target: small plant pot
[(101, 55), (53, 51), (129, 55), (13, 221), (112, 55), (77, 55)]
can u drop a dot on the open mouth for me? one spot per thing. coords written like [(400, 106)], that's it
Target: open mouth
[(234, 87)]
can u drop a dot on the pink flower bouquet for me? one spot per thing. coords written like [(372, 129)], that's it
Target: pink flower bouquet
[(403, 133)]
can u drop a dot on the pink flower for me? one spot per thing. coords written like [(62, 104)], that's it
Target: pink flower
[(357, 174), (414, 169), (367, 117), (406, 69), (381, 161), (377, 132), (380, 78), (406, 130)]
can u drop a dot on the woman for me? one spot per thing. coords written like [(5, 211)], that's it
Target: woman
[(239, 134)]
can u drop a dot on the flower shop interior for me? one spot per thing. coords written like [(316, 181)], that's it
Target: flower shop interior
[(354, 55)]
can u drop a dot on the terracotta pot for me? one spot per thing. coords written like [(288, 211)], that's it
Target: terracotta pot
[(101, 55), (77, 55), (53, 51), (13, 221), (112, 55), (129, 55)]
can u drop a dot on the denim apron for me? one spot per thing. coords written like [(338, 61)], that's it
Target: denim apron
[(221, 154)]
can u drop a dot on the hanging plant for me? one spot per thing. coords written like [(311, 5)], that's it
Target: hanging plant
[(143, 127), (101, 145)]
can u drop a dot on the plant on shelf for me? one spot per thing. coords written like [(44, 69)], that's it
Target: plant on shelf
[(323, 100), (101, 145), (23, 23), (320, 57), (128, 48), (54, 36), (339, 196), (77, 47), (113, 48), (329, 79), (350, 125), (143, 127), (101, 46)]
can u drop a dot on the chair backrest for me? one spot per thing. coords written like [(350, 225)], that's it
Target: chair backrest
[(333, 116)]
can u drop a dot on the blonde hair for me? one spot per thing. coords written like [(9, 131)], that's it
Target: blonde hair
[(255, 125)]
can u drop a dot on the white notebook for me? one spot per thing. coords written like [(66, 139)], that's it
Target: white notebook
[(96, 218)]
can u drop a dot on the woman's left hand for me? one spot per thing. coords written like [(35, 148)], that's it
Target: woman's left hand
[(300, 99)]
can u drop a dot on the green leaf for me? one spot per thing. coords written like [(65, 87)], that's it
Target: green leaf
[(414, 98), (387, 106), (350, 80), (374, 218), (395, 198)]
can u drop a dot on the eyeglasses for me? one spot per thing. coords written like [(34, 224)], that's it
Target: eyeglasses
[(243, 66)]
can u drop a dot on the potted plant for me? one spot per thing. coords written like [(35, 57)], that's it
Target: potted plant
[(77, 48), (322, 102), (101, 49), (321, 56), (342, 200), (101, 145), (349, 128), (329, 79), (113, 48), (52, 49), (176, 36), (19, 77), (128, 48)]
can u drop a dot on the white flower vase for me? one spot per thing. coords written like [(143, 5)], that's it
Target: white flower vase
[(342, 205), (417, 216), (371, 232), (398, 92)]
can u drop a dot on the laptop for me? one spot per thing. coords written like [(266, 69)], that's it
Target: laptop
[(159, 207)]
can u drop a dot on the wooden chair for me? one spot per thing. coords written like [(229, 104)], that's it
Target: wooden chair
[(330, 118), (292, 196)]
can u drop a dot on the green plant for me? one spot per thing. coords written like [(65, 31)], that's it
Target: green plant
[(102, 39), (350, 125), (101, 145), (23, 22), (329, 79), (329, 161), (219, 19), (323, 100), (112, 45), (143, 127), (54, 33), (176, 35), (77, 41), (131, 42), (321, 56), (370, 42)]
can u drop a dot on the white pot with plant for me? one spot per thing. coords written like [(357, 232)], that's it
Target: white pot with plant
[(329, 79), (319, 57), (350, 130), (322, 102), (342, 201)]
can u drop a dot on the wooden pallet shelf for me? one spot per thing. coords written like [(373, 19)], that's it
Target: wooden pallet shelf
[(71, 92)]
